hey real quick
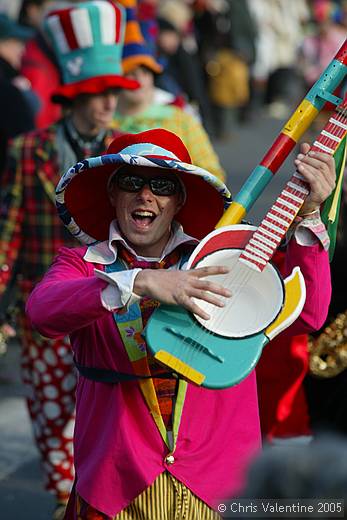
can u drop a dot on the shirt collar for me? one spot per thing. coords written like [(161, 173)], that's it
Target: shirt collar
[(106, 252)]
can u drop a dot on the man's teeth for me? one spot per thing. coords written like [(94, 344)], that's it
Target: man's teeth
[(143, 214)]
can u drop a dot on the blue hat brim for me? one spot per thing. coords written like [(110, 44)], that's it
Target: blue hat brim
[(83, 202)]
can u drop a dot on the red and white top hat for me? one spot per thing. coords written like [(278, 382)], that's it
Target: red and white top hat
[(87, 39)]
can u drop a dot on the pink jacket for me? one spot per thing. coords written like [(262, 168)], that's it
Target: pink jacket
[(118, 449)]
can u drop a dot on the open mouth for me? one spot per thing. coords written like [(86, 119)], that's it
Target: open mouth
[(143, 218)]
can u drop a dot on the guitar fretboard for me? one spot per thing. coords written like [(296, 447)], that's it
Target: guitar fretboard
[(264, 242)]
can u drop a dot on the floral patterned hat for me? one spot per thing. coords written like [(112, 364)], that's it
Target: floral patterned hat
[(82, 197)]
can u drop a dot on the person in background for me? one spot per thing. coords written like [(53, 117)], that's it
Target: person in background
[(317, 471), (32, 11), (325, 38), (11, 9), (226, 34), (39, 63), (148, 444), (30, 231), (177, 52), (319, 46), (276, 75), (141, 109), (17, 101)]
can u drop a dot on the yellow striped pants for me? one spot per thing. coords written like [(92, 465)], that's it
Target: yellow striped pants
[(165, 499)]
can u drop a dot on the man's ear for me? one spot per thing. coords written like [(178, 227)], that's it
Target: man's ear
[(111, 188), (180, 204), (112, 196)]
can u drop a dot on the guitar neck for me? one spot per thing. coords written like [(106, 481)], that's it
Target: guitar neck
[(266, 239)]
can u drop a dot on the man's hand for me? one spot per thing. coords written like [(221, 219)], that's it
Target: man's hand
[(179, 287), (319, 171)]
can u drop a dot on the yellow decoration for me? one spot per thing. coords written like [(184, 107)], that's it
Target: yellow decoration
[(179, 366), (233, 215), (294, 300), (302, 118)]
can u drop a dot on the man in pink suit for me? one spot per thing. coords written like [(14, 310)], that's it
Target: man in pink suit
[(147, 443)]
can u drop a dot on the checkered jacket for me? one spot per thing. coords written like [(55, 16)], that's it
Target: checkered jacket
[(30, 230)]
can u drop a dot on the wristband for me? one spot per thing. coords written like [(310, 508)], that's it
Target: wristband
[(310, 214)]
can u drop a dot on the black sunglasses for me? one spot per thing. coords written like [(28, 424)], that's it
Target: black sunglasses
[(165, 186)]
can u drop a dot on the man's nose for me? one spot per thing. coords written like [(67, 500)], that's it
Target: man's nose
[(145, 191), (111, 101)]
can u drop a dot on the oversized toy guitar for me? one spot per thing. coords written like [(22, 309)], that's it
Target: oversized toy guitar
[(223, 350)]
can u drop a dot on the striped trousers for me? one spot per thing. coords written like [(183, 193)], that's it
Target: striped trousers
[(165, 499)]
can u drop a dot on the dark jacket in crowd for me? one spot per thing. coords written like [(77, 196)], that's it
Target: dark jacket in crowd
[(17, 108)]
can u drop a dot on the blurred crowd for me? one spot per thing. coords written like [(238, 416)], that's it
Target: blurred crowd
[(222, 59), (203, 66)]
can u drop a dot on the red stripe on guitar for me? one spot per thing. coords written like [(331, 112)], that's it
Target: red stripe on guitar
[(252, 261), (299, 182), (297, 191), (334, 129), (326, 140), (274, 226), (264, 255), (65, 21), (264, 235), (272, 221), (339, 115), (285, 208), (286, 198), (273, 246), (258, 244), (285, 202), (257, 253), (270, 228), (329, 143), (278, 152), (342, 54), (286, 218), (260, 239), (227, 239), (279, 205), (283, 211)]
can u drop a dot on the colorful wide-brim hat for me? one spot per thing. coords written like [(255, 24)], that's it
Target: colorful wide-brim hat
[(82, 197), (87, 39)]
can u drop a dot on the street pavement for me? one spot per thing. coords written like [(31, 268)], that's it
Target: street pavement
[(21, 491)]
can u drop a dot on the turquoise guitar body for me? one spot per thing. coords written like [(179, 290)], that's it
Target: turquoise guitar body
[(231, 361), (222, 351)]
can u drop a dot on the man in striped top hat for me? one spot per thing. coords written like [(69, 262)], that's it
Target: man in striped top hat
[(87, 39)]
